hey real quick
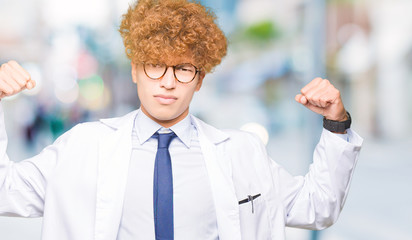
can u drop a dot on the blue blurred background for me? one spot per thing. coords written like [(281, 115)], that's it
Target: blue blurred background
[(74, 52)]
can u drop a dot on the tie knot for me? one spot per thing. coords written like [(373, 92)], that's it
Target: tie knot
[(164, 139)]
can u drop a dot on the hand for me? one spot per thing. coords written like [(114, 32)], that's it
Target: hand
[(14, 79), (321, 97)]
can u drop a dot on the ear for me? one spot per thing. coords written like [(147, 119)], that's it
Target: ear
[(134, 72), (200, 80)]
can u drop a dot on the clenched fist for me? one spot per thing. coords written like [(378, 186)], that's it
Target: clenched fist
[(323, 98), (14, 79)]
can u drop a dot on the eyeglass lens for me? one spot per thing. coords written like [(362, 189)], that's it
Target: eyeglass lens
[(183, 72)]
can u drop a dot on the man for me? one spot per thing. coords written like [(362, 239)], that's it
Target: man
[(114, 179)]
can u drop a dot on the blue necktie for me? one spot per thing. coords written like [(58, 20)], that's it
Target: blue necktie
[(163, 189)]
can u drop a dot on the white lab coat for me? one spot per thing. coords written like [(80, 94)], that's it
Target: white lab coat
[(78, 183)]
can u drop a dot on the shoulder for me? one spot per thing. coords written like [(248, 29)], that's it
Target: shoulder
[(236, 134), (96, 130), (87, 131), (232, 136), (244, 138)]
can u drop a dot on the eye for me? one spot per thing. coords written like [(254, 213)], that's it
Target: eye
[(185, 68)]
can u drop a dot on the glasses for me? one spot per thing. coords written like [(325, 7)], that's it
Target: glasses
[(184, 72)]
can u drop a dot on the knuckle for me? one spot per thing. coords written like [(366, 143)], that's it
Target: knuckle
[(325, 83), (12, 62), (309, 95), (7, 69), (324, 99), (337, 92)]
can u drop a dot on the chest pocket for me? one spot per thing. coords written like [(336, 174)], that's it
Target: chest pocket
[(253, 218)]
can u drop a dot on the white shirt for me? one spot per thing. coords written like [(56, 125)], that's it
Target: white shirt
[(194, 210)]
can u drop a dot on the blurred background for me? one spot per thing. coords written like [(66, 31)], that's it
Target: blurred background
[(74, 52)]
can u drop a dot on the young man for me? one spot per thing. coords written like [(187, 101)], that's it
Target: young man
[(118, 179)]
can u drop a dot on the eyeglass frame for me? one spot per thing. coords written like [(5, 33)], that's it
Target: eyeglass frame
[(174, 72)]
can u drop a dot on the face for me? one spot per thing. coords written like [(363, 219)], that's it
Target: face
[(166, 101)]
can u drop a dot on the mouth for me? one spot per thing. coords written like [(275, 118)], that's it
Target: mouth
[(165, 99)]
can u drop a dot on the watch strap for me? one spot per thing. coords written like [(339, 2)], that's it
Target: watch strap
[(337, 126)]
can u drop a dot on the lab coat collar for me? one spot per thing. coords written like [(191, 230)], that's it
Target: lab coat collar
[(213, 134)]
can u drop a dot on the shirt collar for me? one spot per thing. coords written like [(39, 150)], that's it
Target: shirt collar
[(184, 130), (146, 127)]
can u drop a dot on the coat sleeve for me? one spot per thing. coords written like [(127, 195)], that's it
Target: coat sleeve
[(314, 201), (22, 184)]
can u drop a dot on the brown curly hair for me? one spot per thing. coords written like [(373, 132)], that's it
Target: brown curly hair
[(154, 30)]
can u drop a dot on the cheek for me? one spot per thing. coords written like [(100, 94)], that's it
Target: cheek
[(187, 99), (143, 92)]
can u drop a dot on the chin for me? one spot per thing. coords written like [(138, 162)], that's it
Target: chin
[(165, 116)]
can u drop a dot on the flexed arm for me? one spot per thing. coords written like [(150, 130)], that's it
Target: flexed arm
[(314, 201), (16, 199)]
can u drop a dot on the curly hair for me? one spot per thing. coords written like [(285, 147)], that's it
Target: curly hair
[(153, 30)]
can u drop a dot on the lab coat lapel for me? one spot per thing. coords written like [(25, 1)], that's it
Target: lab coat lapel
[(220, 177), (114, 156)]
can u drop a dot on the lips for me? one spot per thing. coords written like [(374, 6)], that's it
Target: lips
[(165, 99)]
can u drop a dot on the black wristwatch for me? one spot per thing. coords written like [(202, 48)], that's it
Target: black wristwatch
[(336, 126)]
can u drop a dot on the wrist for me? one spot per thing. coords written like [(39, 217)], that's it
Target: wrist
[(340, 118)]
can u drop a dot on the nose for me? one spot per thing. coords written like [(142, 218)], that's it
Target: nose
[(168, 81)]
